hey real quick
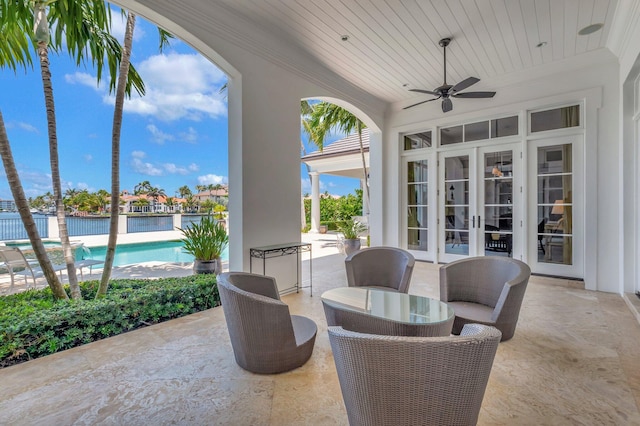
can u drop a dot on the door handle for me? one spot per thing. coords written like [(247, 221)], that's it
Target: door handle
[(473, 222)]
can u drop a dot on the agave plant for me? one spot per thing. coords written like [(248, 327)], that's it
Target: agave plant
[(205, 240)]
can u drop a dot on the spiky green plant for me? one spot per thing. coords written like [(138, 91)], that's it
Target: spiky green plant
[(351, 229), (205, 240)]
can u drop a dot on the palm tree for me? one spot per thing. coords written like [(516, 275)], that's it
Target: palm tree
[(191, 204), (326, 117), (142, 188), (125, 62), (184, 191), (81, 27), (26, 216)]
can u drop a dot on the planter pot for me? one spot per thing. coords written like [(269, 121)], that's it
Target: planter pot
[(351, 246), (207, 266), (322, 229)]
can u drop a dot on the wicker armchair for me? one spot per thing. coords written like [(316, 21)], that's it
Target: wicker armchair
[(391, 380), (386, 268), (485, 290), (265, 338)]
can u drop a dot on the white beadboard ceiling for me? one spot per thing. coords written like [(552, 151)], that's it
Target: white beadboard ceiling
[(393, 43)]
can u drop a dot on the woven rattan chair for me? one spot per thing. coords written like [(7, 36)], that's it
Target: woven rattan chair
[(485, 290), (386, 268), (265, 338), (391, 380)]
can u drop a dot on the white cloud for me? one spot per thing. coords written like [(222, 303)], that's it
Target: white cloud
[(191, 135), (211, 179), (173, 169), (86, 80), (23, 126), (145, 168), (158, 136), (26, 126), (88, 158), (158, 169), (177, 86)]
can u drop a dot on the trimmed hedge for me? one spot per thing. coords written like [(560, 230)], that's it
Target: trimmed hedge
[(33, 324)]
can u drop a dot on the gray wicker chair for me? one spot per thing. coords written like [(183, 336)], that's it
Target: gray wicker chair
[(485, 290), (386, 268), (391, 380), (265, 338)]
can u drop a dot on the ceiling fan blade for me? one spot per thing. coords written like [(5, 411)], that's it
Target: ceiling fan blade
[(464, 84), (420, 103), (475, 95), (428, 92), (447, 105)]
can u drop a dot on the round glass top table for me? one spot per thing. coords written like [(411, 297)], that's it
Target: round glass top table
[(375, 311)]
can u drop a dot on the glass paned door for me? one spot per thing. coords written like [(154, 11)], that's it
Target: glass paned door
[(555, 204), (556, 229), (497, 179), (456, 191), (417, 205), (478, 197)]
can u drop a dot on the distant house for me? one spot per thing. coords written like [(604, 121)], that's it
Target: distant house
[(219, 196), (7, 205), (130, 204)]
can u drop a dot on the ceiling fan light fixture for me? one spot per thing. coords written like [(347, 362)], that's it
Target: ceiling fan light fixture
[(590, 29), (448, 91), (344, 37), (541, 44)]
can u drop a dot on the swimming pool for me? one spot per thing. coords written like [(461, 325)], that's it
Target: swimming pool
[(160, 251)]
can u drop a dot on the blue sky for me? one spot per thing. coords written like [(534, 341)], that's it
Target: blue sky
[(163, 136)]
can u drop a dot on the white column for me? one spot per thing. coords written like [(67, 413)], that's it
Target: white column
[(315, 202)]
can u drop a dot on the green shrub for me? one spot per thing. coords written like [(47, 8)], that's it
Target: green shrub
[(32, 324)]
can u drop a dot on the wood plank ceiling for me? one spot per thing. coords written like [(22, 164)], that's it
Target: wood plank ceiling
[(393, 46)]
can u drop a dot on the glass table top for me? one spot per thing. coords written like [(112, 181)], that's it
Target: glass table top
[(400, 307)]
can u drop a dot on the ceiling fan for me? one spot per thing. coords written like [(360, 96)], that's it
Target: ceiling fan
[(447, 91)]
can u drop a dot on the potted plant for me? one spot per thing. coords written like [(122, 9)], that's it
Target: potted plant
[(351, 230), (206, 241)]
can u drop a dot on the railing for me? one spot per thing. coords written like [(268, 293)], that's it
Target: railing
[(13, 229), (187, 220), (149, 223), (79, 226)]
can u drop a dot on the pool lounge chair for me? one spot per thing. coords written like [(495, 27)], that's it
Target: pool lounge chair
[(87, 263), (16, 263)]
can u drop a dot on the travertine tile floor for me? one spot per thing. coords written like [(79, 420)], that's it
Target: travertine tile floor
[(575, 359)]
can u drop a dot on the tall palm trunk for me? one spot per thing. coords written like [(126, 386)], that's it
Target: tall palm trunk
[(364, 165), (115, 155), (25, 214), (42, 34)]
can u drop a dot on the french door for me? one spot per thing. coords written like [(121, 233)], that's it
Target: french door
[(477, 197), (556, 215)]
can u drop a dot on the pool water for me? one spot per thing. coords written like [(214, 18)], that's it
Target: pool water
[(161, 251)]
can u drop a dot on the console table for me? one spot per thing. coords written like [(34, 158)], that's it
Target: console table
[(279, 250)]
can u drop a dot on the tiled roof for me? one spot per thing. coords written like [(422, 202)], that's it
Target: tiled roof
[(345, 146)]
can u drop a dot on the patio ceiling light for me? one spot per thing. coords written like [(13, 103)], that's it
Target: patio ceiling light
[(589, 29)]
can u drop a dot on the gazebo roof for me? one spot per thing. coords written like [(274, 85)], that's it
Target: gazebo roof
[(346, 146)]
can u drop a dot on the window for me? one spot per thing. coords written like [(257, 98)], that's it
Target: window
[(481, 130), (559, 118), (417, 141)]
